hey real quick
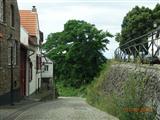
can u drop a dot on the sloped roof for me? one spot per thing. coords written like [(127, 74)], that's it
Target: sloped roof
[(29, 20)]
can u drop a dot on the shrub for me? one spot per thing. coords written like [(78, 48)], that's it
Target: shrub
[(70, 91)]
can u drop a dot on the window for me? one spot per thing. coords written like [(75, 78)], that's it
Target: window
[(1, 10), (12, 18), (30, 70), (38, 62), (46, 67)]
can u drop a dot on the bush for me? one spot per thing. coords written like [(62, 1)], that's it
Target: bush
[(70, 91)]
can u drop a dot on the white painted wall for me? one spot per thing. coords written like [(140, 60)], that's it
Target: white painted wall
[(36, 75), (33, 82), (24, 36), (49, 73), (31, 86), (155, 46)]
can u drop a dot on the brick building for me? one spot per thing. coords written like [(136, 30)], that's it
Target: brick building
[(9, 36)]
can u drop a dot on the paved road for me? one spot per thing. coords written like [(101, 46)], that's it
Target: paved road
[(69, 108)]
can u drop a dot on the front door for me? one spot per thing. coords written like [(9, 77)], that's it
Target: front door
[(23, 59)]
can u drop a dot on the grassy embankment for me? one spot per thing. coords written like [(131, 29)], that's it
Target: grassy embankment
[(126, 107)]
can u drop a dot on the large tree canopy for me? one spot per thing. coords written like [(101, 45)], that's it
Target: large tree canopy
[(136, 23), (77, 52)]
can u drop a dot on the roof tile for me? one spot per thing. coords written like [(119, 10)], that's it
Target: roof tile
[(29, 20)]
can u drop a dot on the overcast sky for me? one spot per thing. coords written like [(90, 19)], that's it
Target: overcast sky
[(105, 14)]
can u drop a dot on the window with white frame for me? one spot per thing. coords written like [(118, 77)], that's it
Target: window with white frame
[(46, 67), (1, 10)]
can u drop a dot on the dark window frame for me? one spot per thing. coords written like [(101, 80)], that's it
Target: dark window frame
[(30, 71), (2, 7), (4, 11), (12, 16), (38, 62), (46, 68)]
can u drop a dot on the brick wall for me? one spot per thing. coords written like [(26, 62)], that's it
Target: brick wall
[(6, 30)]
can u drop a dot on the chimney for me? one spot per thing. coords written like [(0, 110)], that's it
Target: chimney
[(34, 9)]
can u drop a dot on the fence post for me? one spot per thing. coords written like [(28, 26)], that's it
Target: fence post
[(152, 41)]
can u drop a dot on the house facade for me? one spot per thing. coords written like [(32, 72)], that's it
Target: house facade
[(29, 21), (47, 73), (9, 51)]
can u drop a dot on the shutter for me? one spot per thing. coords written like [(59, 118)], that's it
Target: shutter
[(37, 62)]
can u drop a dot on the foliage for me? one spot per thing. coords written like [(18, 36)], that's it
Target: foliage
[(70, 91), (133, 97), (118, 37), (77, 52), (136, 23)]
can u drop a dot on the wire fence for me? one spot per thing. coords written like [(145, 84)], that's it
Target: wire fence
[(145, 49)]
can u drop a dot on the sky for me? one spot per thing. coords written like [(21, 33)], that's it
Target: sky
[(105, 14)]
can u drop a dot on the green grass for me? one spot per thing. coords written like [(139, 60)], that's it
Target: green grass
[(70, 91)]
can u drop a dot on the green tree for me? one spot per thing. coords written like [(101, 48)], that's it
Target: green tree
[(118, 37), (77, 52), (137, 22)]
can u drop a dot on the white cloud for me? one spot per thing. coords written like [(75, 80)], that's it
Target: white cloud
[(88, 1)]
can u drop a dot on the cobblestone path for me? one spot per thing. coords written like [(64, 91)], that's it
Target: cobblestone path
[(65, 108)]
